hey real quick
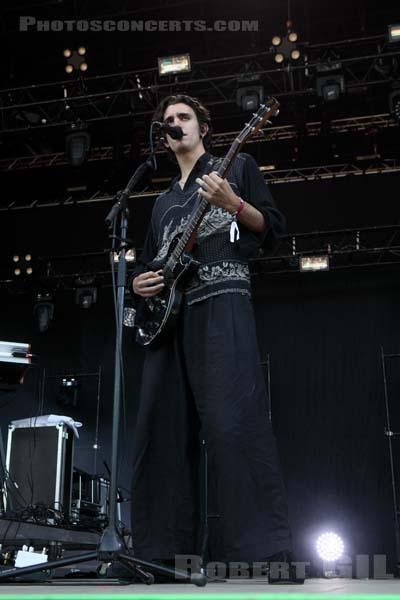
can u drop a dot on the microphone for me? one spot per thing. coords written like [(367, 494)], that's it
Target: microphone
[(175, 132)]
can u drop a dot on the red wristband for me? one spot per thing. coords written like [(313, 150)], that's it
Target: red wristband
[(240, 208)]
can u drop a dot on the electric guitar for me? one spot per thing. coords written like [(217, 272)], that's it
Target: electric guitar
[(178, 263)]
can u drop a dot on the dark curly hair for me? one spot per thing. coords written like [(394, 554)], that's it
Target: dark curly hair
[(201, 112)]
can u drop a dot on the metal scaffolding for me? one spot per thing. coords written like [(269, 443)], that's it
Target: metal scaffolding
[(284, 132), (136, 93)]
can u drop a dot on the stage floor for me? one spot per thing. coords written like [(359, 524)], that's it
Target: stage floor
[(255, 589)]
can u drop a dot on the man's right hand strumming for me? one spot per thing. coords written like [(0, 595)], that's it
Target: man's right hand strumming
[(148, 284)]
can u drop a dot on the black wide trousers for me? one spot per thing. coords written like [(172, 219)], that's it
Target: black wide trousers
[(207, 378)]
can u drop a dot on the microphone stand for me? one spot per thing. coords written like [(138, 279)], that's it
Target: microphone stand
[(112, 548)]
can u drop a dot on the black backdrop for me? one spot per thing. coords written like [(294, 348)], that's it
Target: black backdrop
[(323, 333)]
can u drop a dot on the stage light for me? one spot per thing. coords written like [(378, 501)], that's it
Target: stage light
[(267, 168), (284, 48), (394, 104), (43, 311), (77, 144), (330, 546), (68, 391), (314, 263), (130, 255), (171, 65), (330, 84), (86, 297), (76, 60), (394, 33), (250, 98), (22, 264)]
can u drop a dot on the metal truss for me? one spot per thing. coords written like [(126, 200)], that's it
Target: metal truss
[(285, 132), (292, 175), (136, 93), (346, 249)]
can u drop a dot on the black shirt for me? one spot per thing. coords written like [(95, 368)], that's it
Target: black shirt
[(223, 264)]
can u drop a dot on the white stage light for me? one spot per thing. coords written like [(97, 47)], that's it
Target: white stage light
[(330, 546)]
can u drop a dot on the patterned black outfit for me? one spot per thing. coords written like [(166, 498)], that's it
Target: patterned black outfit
[(207, 377)]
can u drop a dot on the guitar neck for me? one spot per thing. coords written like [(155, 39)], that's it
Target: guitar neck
[(188, 238)]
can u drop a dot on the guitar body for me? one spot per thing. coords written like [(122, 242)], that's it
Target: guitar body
[(164, 308)]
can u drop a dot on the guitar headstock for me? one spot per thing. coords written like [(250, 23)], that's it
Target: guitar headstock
[(264, 113)]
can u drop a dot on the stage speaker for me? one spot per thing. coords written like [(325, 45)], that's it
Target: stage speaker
[(39, 467)]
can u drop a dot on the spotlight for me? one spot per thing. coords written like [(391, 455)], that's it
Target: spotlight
[(76, 60), (284, 47), (329, 546), (130, 255), (394, 104), (314, 263), (68, 391), (394, 33), (330, 81), (22, 264), (43, 311), (85, 297), (77, 144), (250, 98), (171, 65)]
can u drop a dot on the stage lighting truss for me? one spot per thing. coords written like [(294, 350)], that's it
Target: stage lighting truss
[(22, 265), (285, 47), (76, 60)]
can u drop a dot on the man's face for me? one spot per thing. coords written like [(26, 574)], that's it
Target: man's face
[(184, 116)]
